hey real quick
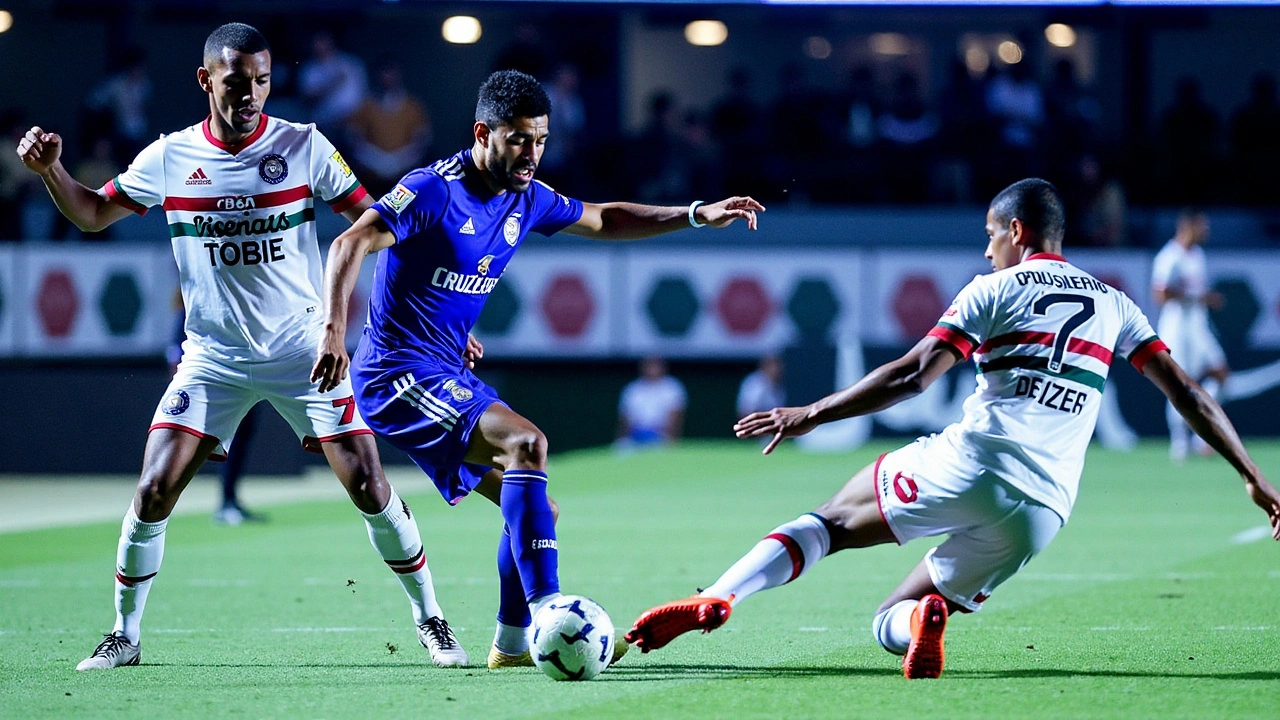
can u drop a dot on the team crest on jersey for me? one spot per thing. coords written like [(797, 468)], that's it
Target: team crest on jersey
[(337, 157), (177, 403), (511, 229), (273, 169), (399, 198), (483, 267), (458, 392)]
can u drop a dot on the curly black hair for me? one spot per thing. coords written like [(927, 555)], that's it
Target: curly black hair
[(510, 94)]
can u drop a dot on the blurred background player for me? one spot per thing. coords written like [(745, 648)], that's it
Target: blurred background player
[(250, 318), (651, 407), (762, 389), (1180, 284), (1001, 482), (449, 231)]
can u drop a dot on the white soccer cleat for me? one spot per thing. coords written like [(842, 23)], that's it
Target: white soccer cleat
[(114, 651), (436, 636)]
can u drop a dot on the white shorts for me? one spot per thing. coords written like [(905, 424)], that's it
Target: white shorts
[(994, 528), (209, 397)]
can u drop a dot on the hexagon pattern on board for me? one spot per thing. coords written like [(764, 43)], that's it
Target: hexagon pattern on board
[(120, 304), (57, 303), (744, 306), (567, 305), (917, 305), (672, 305), (500, 310), (813, 307)]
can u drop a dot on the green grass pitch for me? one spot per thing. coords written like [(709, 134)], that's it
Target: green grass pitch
[(1155, 601)]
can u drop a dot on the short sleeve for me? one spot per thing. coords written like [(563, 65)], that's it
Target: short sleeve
[(142, 185), (331, 176), (554, 212), (1162, 269), (967, 322), (416, 203), (1137, 340)]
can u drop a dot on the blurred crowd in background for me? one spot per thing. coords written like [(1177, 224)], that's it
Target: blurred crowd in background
[(878, 139)]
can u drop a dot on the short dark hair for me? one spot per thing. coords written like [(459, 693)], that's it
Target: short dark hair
[(1036, 203), (237, 36), (509, 94)]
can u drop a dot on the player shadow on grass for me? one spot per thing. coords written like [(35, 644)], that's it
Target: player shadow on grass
[(657, 672)]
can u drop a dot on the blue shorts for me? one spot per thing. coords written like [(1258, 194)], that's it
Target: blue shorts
[(427, 409)]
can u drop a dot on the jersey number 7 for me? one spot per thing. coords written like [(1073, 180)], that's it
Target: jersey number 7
[(1064, 333)]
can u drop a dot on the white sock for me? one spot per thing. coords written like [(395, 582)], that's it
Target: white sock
[(782, 556), (538, 602), (511, 639), (394, 535), (892, 627), (137, 561)]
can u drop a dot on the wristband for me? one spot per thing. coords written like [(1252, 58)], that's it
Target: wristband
[(693, 219)]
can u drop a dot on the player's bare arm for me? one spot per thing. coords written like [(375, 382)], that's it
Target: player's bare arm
[(883, 387), (41, 152), (368, 234), (632, 221), (1206, 418)]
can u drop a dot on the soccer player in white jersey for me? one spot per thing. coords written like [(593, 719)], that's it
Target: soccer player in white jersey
[(1180, 284), (1001, 482), (238, 191)]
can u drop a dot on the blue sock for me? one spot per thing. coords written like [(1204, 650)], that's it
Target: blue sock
[(533, 531), (512, 609)]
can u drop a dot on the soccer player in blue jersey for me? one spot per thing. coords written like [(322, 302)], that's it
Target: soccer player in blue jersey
[(449, 231)]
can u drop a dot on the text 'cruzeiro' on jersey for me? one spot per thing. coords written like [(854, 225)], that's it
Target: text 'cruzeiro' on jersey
[(454, 238), (1043, 334), (242, 223)]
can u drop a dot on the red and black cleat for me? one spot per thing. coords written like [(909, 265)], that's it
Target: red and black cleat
[(928, 624), (664, 623)]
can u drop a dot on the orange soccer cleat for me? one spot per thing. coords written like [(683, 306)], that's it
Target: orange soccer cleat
[(664, 623), (928, 623)]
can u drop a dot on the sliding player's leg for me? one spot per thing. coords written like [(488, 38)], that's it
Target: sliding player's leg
[(849, 519), (994, 531)]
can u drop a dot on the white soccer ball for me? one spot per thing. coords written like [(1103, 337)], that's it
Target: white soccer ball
[(572, 638)]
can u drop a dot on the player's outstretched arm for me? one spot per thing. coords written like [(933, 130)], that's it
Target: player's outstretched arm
[(1206, 418), (41, 152), (631, 221), (369, 234), (883, 387)]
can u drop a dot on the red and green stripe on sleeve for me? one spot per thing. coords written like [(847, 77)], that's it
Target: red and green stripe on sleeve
[(348, 198), (1146, 350), (962, 341), (116, 194)]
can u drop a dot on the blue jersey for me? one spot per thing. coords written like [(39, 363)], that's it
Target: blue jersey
[(454, 238)]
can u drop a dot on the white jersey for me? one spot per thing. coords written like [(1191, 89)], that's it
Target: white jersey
[(242, 223), (1043, 334)]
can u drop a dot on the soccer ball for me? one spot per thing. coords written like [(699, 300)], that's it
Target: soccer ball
[(572, 638)]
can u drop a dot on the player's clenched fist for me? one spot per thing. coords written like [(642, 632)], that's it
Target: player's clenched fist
[(39, 150)]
